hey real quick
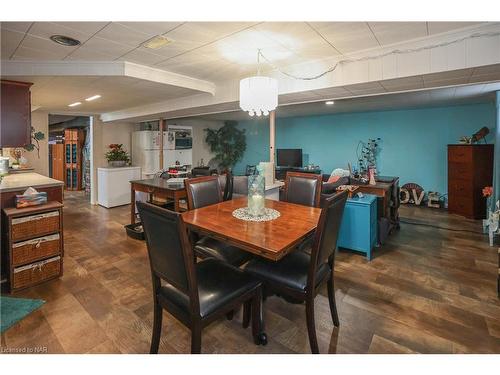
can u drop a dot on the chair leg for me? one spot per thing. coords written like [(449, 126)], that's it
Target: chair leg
[(333, 305), (196, 338), (259, 337), (247, 306), (311, 326), (157, 321)]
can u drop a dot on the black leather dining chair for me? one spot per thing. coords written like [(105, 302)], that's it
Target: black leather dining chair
[(201, 192), (303, 188), (299, 276), (196, 294)]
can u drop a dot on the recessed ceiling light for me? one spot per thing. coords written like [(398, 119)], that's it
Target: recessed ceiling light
[(65, 40), (74, 104), (329, 102), (93, 98), (157, 42)]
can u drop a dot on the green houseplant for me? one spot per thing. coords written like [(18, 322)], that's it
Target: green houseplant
[(36, 137), (117, 156), (228, 143)]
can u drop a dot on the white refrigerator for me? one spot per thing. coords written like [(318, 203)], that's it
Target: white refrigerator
[(146, 152)]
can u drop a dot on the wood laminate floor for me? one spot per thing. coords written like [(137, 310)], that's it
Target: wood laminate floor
[(427, 290)]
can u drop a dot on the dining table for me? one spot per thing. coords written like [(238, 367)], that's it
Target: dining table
[(271, 239)]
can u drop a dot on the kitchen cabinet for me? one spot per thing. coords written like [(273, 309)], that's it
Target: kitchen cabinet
[(15, 123)]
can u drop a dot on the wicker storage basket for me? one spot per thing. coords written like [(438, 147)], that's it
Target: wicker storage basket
[(35, 225), (37, 272), (37, 248)]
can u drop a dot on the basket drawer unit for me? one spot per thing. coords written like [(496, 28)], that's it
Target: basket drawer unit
[(36, 273), (33, 244), (35, 225), (35, 249)]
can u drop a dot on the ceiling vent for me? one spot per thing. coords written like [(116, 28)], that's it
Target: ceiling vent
[(157, 42), (65, 40)]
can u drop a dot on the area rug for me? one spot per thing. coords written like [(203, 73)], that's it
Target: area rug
[(13, 310)]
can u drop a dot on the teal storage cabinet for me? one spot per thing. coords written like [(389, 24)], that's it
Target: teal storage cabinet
[(358, 230)]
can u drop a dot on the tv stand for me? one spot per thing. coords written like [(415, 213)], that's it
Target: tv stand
[(280, 172)]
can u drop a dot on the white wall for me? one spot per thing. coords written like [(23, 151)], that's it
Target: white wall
[(200, 148), (40, 121), (103, 135)]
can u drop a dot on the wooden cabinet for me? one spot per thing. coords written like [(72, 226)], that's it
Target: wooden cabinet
[(15, 123), (358, 230), (34, 244), (74, 140), (470, 169)]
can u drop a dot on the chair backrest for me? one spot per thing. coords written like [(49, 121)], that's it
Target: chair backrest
[(240, 185), (203, 191), (325, 238), (303, 188), (250, 170), (170, 254)]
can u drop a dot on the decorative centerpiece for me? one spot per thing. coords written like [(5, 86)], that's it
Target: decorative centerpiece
[(117, 156), (256, 193)]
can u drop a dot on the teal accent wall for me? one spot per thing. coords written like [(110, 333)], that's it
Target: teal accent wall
[(413, 144)]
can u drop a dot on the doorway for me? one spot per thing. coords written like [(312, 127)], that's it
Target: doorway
[(69, 152)]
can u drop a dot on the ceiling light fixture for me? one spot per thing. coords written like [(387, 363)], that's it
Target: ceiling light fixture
[(330, 102), (65, 40), (258, 94), (74, 104), (157, 42), (92, 98)]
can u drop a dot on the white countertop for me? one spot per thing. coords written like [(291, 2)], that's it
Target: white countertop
[(127, 168), (20, 181)]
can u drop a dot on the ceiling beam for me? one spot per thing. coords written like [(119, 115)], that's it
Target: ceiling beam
[(11, 68)]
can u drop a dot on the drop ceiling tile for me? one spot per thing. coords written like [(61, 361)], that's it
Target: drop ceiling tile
[(105, 47), (487, 69), (332, 92), (23, 53), (42, 44), (347, 37), (47, 29), (85, 53), (151, 28), (87, 28), (119, 33), (365, 88), (449, 74), (395, 32), (446, 82), (442, 27), (142, 57), (298, 37), (21, 27), (398, 84), (9, 42)]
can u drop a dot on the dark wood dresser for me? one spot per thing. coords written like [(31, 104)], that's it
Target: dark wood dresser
[(470, 169)]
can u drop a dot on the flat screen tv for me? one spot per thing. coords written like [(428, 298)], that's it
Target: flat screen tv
[(289, 157)]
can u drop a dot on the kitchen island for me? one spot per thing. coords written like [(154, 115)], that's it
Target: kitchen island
[(23, 264), (17, 183)]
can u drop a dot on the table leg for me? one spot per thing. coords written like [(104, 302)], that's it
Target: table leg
[(132, 204), (176, 202)]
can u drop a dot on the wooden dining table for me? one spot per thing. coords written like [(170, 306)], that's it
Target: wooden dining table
[(269, 239)]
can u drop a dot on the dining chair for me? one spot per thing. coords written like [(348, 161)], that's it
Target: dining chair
[(299, 276), (201, 192), (250, 170), (196, 294), (303, 188), (240, 187), (226, 185)]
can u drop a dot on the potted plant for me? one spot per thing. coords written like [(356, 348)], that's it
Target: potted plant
[(227, 143), (117, 156)]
